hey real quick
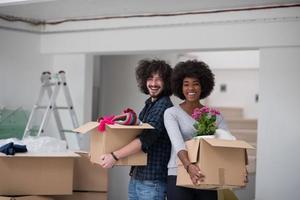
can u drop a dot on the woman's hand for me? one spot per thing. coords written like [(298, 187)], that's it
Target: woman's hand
[(107, 161), (192, 169), (195, 173)]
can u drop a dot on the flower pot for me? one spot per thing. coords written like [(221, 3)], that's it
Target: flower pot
[(204, 136)]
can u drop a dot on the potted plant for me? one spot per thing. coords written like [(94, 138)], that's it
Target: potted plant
[(205, 124)]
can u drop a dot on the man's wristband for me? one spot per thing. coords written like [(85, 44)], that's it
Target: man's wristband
[(114, 156)]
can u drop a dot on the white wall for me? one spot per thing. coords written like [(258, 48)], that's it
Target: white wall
[(239, 59), (78, 68), (238, 70), (242, 86), (278, 139), (220, 31), (79, 76), (21, 65)]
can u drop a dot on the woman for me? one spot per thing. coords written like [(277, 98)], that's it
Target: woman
[(191, 81)]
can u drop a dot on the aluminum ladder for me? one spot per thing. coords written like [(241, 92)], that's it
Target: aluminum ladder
[(46, 87)]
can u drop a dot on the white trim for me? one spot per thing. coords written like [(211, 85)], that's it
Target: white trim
[(254, 16), (18, 2)]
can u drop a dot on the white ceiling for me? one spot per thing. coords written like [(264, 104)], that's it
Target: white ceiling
[(51, 10)]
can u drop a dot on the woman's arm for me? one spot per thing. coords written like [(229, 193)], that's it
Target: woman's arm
[(192, 169), (172, 126)]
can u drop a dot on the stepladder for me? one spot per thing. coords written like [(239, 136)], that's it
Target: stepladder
[(51, 85)]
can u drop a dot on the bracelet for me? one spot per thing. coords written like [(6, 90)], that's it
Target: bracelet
[(114, 156), (187, 167)]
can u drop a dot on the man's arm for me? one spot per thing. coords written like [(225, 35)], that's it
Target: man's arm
[(144, 141), (108, 160)]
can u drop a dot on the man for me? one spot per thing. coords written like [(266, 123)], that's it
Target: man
[(149, 182)]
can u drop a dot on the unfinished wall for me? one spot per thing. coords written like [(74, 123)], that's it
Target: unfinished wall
[(278, 127), (21, 65)]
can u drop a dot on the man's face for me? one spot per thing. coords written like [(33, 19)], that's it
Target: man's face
[(155, 85)]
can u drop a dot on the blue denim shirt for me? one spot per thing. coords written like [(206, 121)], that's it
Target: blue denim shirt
[(155, 142)]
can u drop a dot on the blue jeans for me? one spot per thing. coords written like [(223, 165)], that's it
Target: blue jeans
[(146, 190)]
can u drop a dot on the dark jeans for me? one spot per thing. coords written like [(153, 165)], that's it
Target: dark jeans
[(178, 193)]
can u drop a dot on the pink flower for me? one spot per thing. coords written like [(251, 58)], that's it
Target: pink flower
[(205, 109), (205, 120), (214, 111), (197, 113)]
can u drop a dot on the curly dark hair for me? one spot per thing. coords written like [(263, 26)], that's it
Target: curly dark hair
[(193, 69), (146, 68)]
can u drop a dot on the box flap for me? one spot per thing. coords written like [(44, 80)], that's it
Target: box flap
[(119, 126), (228, 143), (193, 149), (81, 152), (86, 127), (42, 155)]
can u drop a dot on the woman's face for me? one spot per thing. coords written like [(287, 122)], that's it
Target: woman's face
[(191, 89)]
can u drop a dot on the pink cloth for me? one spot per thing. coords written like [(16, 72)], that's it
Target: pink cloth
[(128, 117), (105, 120)]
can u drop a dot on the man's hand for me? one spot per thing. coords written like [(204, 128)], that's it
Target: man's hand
[(107, 161)]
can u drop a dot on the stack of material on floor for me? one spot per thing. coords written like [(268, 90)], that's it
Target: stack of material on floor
[(90, 181), (36, 173)]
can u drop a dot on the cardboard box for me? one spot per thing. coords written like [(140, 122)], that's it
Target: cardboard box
[(89, 176), (83, 196), (223, 162), (25, 198), (113, 138), (36, 174)]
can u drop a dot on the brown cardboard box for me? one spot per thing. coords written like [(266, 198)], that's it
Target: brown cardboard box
[(223, 162), (25, 198), (113, 138), (88, 176), (36, 174), (83, 196)]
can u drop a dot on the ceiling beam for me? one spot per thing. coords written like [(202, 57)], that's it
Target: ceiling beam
[(19, 2)]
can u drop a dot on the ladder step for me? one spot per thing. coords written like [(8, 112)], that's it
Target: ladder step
[(68, 131), (33, 130), (48, 84), (62, 107), (41, 107), (56, 107)]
